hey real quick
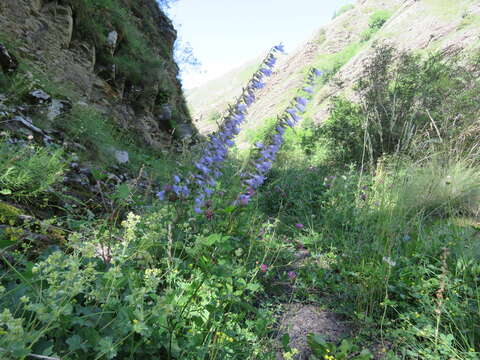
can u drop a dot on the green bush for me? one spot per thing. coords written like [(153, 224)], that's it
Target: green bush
[(378, 19), (28, 171)]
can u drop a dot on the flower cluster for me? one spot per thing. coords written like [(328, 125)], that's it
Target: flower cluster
[(267, 153), (209, 164)]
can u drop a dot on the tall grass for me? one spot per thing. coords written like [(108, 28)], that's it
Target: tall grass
[(27, 171)]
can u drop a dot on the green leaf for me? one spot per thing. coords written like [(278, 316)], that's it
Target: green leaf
[(4, 243), (318, 345), (75, 343), (211, 240), (5, 192), (364, 355), (285, 339)]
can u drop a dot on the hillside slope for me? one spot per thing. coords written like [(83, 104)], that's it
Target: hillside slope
[(341, 48)]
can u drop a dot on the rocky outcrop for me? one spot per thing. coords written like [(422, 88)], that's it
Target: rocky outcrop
[(48, 37)]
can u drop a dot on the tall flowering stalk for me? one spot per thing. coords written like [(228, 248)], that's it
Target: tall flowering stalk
[(267, 151), (209, 165)]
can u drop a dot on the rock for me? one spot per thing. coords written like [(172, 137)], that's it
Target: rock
[(39, 97), (57, 108), (300, 320), (183, 131), (18, 122), (165, 112), (121, 156), (8, 62), (112, 39)]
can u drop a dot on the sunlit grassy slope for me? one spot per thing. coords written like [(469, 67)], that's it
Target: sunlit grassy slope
[(339, 48)]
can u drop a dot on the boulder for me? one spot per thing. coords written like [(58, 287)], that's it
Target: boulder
[(8, 62), (39, 97), (57, 107), (121, 156), (183, 131), (112, 40)]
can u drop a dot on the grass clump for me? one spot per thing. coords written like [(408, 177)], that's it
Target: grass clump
[(28, 171), (376, 21)]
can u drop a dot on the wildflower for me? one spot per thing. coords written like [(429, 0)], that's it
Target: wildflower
[(198, 210), (161, 195), (279, 47), (317, 72), (243, 200), (263, 268), (241, 107), (267, 72), (389, 261), (209, 214), (291, 111), (176, 179), (299, 226), (363, 196), (300, 108), (302, 101), (308, 89), (292, 275)]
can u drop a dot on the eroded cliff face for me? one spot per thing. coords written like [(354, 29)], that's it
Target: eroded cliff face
[(114, 56)]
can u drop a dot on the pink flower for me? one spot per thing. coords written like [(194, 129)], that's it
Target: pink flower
[(292, 275), (263, 268), (299, 226)]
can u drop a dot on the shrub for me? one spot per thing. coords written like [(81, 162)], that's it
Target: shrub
[(378, 19)]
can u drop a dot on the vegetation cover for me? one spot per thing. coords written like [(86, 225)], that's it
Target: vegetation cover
[(382, 199)]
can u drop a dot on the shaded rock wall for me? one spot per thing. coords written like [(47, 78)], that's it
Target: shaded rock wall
[(48, 37)]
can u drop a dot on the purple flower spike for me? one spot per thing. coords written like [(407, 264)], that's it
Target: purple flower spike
[(198, 210), (299, 226), (317, 72), (267, 72), (176, 179), (292, 275), (308, 89), (241, 107), (259, 145), (291, 111), (302, 101), (280, 48), (300, 108)]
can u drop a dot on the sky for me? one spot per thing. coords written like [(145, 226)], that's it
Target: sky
[(225, 34)]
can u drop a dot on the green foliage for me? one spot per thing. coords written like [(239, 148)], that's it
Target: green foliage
[(28, 171), (136, 60), (408, 106), (346, 350), (342, 10), (437, 188), (376, 21), (342, 134), (331, 63)]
